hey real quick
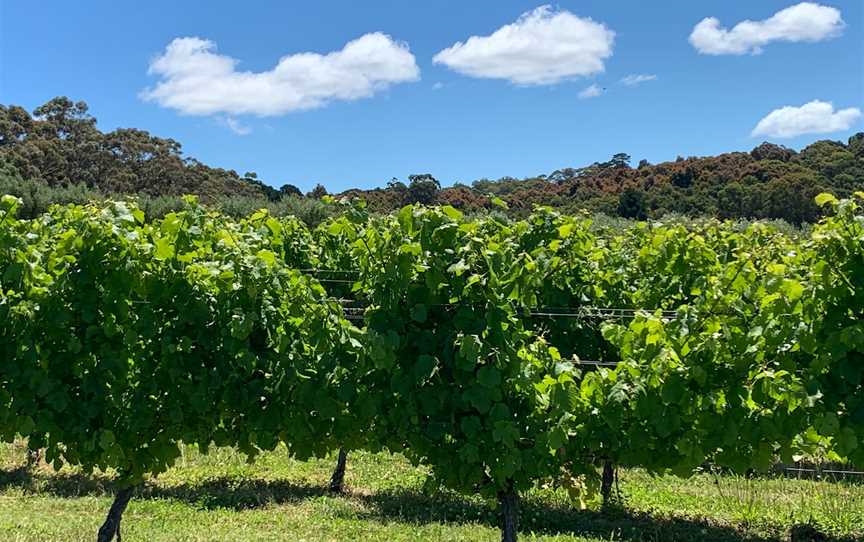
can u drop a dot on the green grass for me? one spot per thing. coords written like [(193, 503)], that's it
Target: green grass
[(221, 497)]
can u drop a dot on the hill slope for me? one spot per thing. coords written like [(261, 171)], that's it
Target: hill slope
[(771, 181), (59, 146)]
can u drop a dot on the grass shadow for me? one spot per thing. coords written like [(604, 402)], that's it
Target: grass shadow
[(58, 484), (234, 493), (18, 477), (211, 493), (405, 506), (540, 517)]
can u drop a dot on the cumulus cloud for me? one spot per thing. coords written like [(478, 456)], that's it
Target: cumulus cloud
[(806, 21), (590, 92), (542, 47), (635, 79), (196, 80), (816, 117)]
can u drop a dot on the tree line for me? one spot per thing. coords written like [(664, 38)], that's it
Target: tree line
[(58, 155)]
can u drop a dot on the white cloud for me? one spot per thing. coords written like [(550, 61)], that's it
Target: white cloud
[(635, 79), (806, 21), (590, 92), (438, 86), (235, 126), (196, 80), (816, 117), (542, 47)]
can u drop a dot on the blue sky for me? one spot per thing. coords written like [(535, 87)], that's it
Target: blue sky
[(492, 108)]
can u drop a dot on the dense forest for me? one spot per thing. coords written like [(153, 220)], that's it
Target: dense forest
[(771, 181), (58, 155)]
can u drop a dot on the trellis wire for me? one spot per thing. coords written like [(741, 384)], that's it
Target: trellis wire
[(357, 314), (575, 312), (550, 312), (338, 271), (823, 471)]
